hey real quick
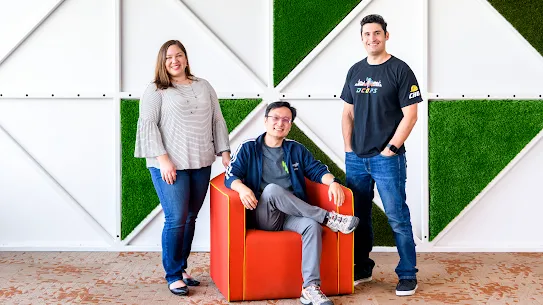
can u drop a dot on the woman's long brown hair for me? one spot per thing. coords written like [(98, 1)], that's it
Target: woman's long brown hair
[(162, 77)]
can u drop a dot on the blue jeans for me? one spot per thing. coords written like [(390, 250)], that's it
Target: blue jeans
[(389, 173), (181, 202)]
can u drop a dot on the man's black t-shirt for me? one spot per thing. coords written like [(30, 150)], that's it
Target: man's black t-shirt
[(378, 92)]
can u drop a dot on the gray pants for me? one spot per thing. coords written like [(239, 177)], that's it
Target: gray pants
[(278, 209)]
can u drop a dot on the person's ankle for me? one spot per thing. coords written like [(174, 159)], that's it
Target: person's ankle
[(177, 284), (326, 218)]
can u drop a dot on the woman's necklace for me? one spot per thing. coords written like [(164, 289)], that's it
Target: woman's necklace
[(186, 81)]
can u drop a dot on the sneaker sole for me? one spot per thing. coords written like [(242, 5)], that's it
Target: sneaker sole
[(305, 301), (406, 293), (364, 280)]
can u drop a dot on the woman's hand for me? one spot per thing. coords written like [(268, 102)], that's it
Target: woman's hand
[(167, 169), (225, 158)]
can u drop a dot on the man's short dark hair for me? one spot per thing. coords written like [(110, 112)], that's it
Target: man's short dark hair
[(280, 104), (374, 19)]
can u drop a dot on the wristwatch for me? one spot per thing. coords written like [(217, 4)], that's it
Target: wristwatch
[(392, 148), (336, 180)]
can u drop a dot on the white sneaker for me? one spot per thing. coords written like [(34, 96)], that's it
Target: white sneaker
[(342, 223), (312, 295)]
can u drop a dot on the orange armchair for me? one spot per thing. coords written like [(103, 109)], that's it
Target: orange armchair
[(259, 265)]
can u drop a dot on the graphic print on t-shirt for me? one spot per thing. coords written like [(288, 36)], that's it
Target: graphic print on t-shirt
[(274, 168), (414, 92), (369, 83)]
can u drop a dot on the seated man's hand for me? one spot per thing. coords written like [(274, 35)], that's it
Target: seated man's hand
[(337, 193), (248, 198)]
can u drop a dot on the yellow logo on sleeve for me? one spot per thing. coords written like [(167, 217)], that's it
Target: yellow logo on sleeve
[(414, 92)]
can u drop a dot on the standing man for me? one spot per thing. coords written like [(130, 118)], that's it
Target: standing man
[(381, 95), (268, 174)]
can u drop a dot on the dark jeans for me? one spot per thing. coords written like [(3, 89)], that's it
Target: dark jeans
[(389, 173), (181, 203)]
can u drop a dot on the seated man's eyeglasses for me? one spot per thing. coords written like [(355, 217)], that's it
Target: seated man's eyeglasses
[(276, 119)]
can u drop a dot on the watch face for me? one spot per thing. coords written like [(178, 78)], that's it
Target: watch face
[(393, 148)]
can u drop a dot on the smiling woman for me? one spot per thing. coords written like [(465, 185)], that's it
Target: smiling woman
[(180, 132), (172, 65)]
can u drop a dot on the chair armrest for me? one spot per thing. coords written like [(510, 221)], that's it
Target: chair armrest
[(227, 235), (317, 194)]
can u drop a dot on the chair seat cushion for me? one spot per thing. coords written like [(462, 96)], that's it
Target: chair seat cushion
[(273, 260)]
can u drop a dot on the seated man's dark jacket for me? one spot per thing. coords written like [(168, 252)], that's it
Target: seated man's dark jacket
[(246, 165)]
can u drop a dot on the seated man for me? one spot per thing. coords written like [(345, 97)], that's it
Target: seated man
[(268, 173)]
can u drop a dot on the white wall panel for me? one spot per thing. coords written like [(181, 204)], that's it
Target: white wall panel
[(32, 213), (509, 216), (327, 72), (242, 25), (148, 24), (17, 12), (414, 194), (72, 51), (151, 235), (74, 141), (252, 129), (323, 117), (480, 57)]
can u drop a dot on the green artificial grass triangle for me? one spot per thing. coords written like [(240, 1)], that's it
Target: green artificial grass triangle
[(138, 195), (470, 142), (299, 26), (525, 17), (234, 111), (381, 229)]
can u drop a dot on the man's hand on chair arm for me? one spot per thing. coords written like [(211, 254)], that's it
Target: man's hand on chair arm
[(246, 195)]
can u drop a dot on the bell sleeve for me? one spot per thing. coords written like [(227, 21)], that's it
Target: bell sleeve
[(148, 138)]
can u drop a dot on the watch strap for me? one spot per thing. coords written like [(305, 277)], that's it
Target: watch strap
[(392, 148)]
